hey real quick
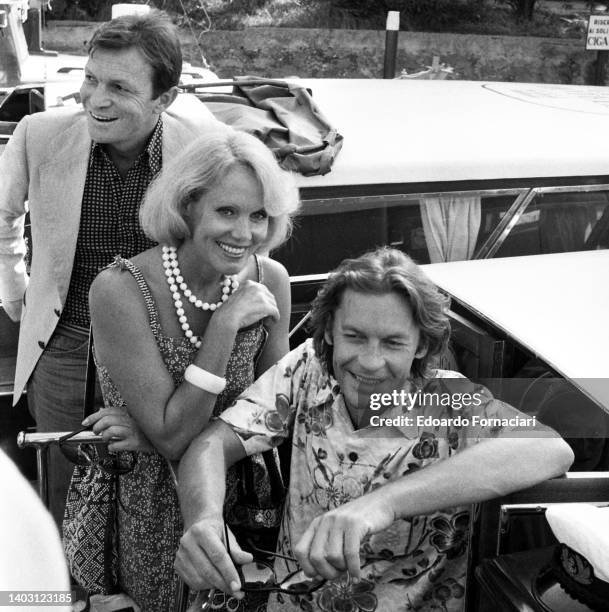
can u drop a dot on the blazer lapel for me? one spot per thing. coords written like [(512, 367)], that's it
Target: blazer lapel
[(174, 137), (62, 178)]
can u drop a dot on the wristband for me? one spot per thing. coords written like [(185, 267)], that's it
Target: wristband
[(204, 380)]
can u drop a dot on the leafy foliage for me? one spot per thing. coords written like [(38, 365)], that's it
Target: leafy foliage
[(523, 9), (415, 14), (81, 10), (515, 17)]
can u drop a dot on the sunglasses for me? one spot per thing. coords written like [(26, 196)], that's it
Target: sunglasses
[(95, 454), (259, 576)]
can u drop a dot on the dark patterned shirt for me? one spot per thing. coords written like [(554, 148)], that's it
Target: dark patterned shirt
[(109, 220)]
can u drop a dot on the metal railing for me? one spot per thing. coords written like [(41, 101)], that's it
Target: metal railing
[(41, 442)]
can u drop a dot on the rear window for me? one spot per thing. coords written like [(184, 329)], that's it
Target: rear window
[(448, 226)]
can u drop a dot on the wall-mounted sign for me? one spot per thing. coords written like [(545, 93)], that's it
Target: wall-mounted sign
[(598, 33)]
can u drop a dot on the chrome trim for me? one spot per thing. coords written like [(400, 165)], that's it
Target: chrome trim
[(43, 439), (572, 188), (313, 206), (42, 462), (299, 324), (309, 278), (504, 227), (516, 508), (305, 278), (41, 442)]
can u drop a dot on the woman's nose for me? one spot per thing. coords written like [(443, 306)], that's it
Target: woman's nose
[(242, 230)]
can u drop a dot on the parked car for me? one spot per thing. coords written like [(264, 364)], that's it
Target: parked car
[(533, 330), (453, 170), (445, 170)]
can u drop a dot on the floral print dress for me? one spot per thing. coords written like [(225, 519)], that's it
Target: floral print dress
[(417, 564), (149, 520)]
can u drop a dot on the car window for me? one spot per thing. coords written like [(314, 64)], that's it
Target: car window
[(430, 227), (449, 226), (558, 221), (516, 375)]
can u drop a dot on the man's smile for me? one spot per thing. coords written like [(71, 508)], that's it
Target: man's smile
[(101, 118), (366, 380)]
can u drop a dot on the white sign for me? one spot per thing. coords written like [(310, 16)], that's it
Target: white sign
[(598, 33), (118, 10)]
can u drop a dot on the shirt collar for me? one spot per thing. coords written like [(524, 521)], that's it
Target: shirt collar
[(153, 150)]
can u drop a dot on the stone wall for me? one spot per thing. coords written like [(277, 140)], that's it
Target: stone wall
[(359, 53)]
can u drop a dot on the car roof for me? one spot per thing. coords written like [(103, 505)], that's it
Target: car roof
[(554, 305), (410, 131), (54, 68)]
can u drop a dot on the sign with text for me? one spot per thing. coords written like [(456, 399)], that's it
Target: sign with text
[(598, 33)]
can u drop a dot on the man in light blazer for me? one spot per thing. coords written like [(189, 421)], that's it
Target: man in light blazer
[(81, 173)]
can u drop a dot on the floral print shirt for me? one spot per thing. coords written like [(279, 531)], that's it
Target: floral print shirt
[(417, 564)]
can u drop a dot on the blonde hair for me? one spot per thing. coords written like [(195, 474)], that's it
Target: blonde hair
[(205, 162)]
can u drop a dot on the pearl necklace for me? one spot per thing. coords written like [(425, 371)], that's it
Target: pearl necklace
[(176, 284)]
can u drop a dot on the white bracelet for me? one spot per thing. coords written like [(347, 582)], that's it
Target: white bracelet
[(204, 380)]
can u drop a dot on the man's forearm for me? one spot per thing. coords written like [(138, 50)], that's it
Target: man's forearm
[(202, 472), (489, 469)]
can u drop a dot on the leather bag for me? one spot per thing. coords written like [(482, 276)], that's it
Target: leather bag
[(282, 114), (254, 515), (90, 534), (90, 531)]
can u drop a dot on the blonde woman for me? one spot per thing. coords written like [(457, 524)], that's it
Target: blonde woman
[(183, 328)]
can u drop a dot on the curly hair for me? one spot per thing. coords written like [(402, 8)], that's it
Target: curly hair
[(385, 270)]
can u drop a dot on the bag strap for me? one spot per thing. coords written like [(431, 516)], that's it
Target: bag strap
[(189, 87), (278, 490), (89, 398), (275, 476), (244, 82)]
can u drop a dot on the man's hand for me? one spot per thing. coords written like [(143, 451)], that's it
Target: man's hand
[(331, 544), (118, 429), (202, 559), (13, 309)]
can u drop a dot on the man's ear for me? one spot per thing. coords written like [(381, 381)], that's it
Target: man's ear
[(422, 350), (166, 99), (328, 336)]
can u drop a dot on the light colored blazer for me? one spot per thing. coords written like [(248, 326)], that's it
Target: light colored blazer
[(45, 164)]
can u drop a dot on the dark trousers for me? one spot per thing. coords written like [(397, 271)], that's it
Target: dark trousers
[(55, 395)]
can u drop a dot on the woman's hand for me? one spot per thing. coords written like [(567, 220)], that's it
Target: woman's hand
[(119, 430), (331, 544), (251, 302), (203, 561)]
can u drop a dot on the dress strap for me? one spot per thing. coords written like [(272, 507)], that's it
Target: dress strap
[(153, 316), (259, 269)]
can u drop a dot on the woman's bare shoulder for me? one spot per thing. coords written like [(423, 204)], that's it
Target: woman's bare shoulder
[(274, 273)]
